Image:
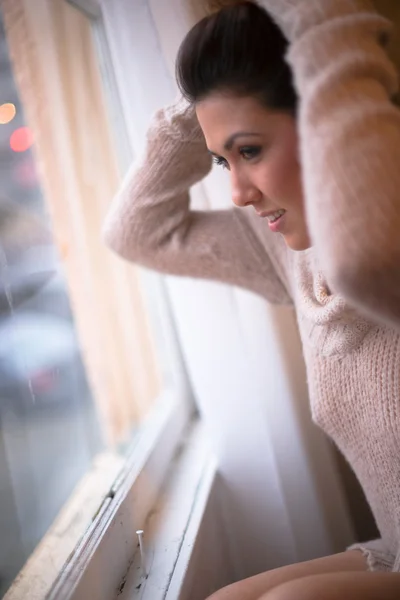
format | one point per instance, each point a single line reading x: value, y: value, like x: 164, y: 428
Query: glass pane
x: 87, y: 351
x: 49, y: 431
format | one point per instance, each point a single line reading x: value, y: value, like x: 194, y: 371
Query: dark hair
x: 239, y: 49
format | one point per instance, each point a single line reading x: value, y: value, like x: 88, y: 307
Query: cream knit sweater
x: 346, y: 288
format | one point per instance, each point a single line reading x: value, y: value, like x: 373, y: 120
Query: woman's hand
x: 212, y: 6
x: 295, y: 17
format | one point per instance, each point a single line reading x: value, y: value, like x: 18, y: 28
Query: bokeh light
x: 21, y: 139
x: 24, y: 172
x: 7, y: 112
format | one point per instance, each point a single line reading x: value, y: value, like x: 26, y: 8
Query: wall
x: 210, y: 567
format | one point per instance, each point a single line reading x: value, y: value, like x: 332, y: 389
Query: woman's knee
x: 230, y: 592
x: 255, y: 587
x: 336, y: 586
x: 305, y: 588
x: 234, y: 591
x: 260, y: 586
x: 297, y: 589
x: 263, y: 584
x: 247, y: 589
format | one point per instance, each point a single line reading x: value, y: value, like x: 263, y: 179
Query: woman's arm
x: 150, y: 221
x: 350, y: 145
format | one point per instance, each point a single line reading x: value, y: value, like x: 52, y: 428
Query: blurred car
x: 27, y: 255
x: 40, y: 365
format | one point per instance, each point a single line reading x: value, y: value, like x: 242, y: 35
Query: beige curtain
x: 56, y: 69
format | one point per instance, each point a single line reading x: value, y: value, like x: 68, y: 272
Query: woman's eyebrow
x: 232, y: 138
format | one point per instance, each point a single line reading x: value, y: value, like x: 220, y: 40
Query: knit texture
x: 346, y: 288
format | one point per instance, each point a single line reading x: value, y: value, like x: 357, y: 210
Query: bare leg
x: 339, y: 586
x: 254, y: 587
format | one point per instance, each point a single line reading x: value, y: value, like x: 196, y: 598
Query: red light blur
x: 21, y: 139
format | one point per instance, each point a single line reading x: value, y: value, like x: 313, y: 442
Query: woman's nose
x: 244, y: 193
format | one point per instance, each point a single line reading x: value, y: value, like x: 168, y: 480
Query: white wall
x: 210, y: 566
x: 243, y: 357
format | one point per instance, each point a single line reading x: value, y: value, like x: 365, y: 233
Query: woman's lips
x: 275, y: 219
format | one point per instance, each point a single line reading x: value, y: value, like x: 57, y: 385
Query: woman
x: 311, y: 146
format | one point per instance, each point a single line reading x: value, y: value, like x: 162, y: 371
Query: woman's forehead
x: 221, y: 117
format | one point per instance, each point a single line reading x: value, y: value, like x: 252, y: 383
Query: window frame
x: 175, y: 408
x: 129, y: 133
x: 110, y: 544
x: 137, y: 486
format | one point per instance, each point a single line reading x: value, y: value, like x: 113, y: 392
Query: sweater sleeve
x: 150, y: 221
x: 350, y: 146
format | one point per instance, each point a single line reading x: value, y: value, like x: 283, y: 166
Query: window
x: 90, y: 373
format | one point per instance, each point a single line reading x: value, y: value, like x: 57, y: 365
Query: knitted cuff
x: 181, y: 120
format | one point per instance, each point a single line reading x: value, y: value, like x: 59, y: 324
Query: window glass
x: 78, y: 365
x: 49, y: 430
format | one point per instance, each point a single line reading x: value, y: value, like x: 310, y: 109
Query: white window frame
x: 176, y: 401
x: 137, y: 487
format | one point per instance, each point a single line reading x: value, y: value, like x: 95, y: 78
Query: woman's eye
x: 249, y: 152
x: 222, y: 162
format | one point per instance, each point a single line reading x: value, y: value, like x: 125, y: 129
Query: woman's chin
x: 297, y: 241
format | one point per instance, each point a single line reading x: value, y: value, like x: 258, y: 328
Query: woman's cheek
x: 286, y: 176
x: 276, y: 178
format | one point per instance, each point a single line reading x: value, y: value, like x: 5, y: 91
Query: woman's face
x: 259, y: 148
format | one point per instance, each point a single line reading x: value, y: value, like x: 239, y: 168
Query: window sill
x: 173, y: 526
x: 105, y: 554
x: 126, y: 488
